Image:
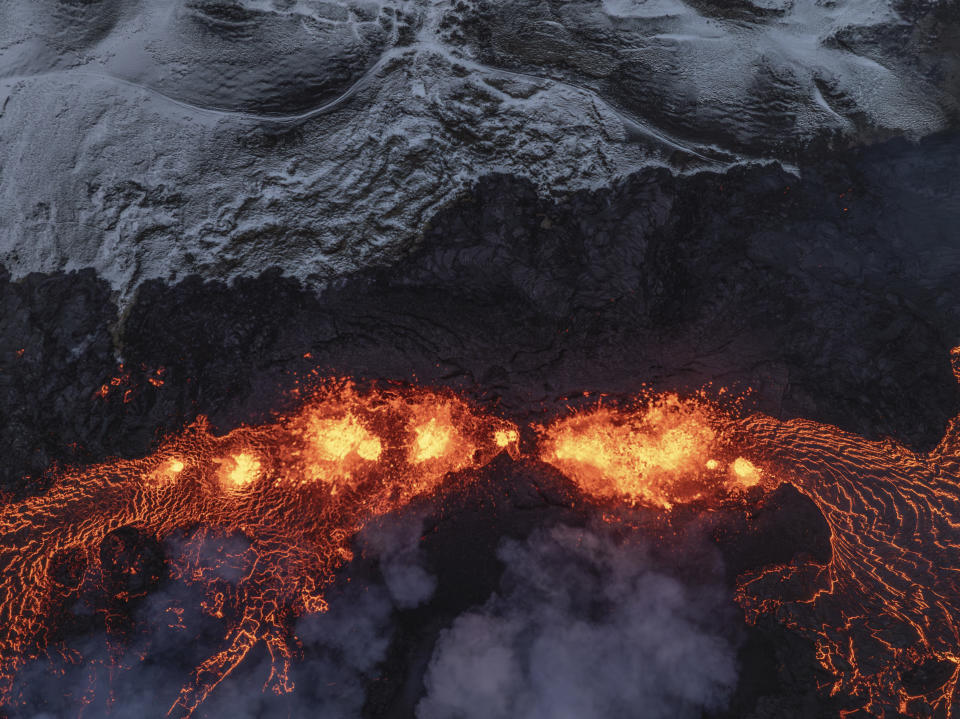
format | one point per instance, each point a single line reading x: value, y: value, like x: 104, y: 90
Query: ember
x: 298, y: 490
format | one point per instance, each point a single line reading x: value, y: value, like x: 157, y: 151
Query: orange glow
x: 505, y: 437
x: 432, y: 441
x: 744, y: 474
x: 167, y: 473
x: 337, y: 448
x: 893, y: 581
x: 239, y: 471
x: 332, y: 440
x: 373, y: 452
x: 300, y: 488
x: 654, y: 454
x: 892, y: 585
x: 437, y: 442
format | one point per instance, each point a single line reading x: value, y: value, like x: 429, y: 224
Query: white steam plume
x: 584, y: 628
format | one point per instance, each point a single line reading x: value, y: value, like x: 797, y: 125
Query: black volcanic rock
x: 831, y: 297
x: 784, y: 526
x: 55, y: 351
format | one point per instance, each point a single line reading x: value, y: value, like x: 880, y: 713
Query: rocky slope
x: 152, y: 140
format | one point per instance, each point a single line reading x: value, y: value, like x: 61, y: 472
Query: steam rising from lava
x: 586, y: 628
x: 297, y: 489
x: 884, y: 612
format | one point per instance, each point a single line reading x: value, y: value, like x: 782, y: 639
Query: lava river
x: 297, y: 489
x: 885, y: 610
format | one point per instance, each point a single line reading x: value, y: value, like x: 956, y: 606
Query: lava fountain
x: 298, y: 489
x: 658, y: 453
x: 884, y: 612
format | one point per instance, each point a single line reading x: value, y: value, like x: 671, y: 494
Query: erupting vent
x: 300, y: 488
x: 659, y: 454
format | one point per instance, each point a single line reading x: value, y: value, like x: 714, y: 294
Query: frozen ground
x: 159, y: 138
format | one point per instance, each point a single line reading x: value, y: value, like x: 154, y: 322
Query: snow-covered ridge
x: 156, y: 138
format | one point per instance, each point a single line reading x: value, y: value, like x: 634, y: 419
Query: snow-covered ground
x: 158, y: 138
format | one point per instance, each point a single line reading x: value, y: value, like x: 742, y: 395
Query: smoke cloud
x: 341, y: 648
x: 395, y: 541
x: 584, y: 627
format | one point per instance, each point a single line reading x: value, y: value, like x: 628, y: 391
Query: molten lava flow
x: 506, y: 437
x: 660, y: 454
x: 238, y: 471
x: 744, y: 473
x: 885, y: 612
x: 297, y: 489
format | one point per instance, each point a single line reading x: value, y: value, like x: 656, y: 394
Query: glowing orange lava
x: 167, y: 472
x: 744, y: 473
x: 298, y: 489
x: 506, y: 437
x: 885, y: 608
x: 894, y: 578
x: 660, y: 453
x: 239, y: 471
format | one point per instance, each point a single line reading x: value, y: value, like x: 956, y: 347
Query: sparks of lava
x: 660, y: 453
x: 298, y: 489
x: 884, y: 612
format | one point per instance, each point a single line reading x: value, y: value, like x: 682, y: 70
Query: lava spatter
x: 884, y: 612
x: 297, y: 489
x: 658, y: 453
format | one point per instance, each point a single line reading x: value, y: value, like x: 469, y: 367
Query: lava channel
x: 884, y: 612
x: 298, y: 489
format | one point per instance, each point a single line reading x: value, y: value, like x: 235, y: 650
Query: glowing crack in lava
x: 297, y: 489
x: 884, y: 612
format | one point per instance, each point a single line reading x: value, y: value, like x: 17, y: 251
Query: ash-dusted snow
x: 159, y: 139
